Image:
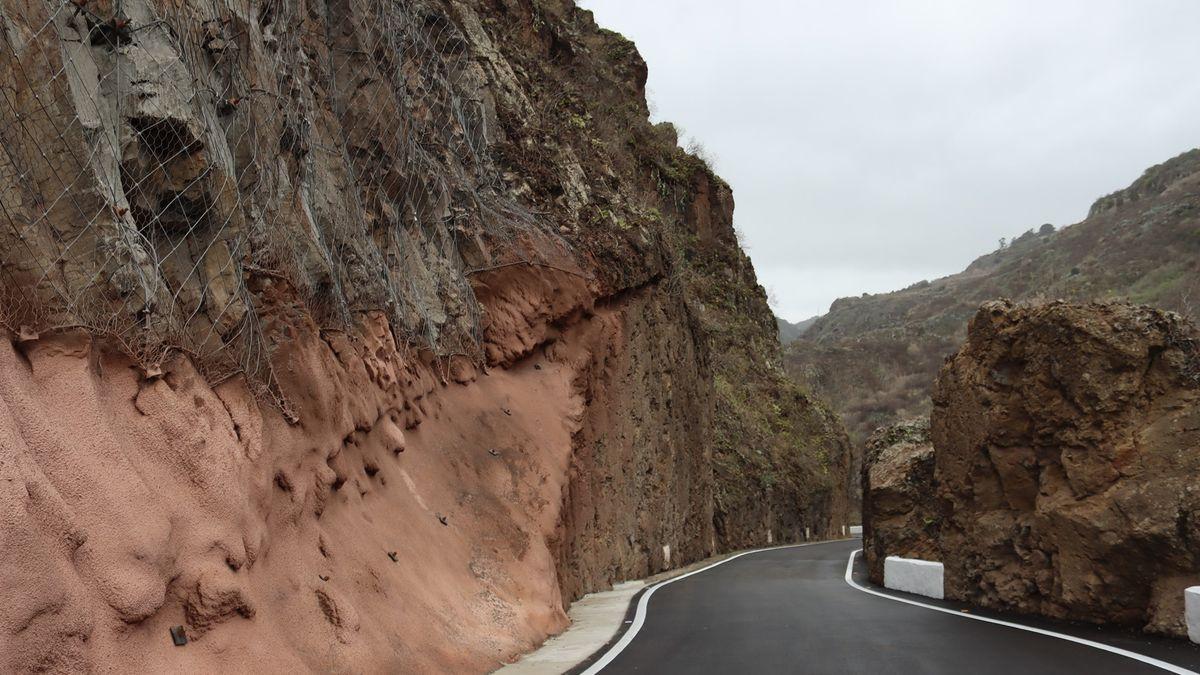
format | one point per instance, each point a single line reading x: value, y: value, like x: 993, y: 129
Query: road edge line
x: 1148, y: 660
x: 639, y: 617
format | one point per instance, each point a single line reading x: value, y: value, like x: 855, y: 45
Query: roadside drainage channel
x: 596, y: 622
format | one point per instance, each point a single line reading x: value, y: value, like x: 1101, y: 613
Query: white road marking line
x: 639, y: 617
x: 1169, y: 667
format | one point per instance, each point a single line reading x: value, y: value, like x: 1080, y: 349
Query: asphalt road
x: 790, y: 610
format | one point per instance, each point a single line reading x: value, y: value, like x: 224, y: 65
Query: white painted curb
x: 923, y: 577
x: 1162, y: 665
x: 1191, y: 608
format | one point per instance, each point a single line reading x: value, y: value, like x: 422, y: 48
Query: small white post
x: 806, y: 534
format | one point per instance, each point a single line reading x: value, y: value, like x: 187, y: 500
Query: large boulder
x: 1068, y: 459
x: 899, y: 508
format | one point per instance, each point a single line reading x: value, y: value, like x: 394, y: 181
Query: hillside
x: 789, y: 332
x: 365, y: 337
x: 874, y: 358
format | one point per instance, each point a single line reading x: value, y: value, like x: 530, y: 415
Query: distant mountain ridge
x: 789, y: 332
x: 874, y: 357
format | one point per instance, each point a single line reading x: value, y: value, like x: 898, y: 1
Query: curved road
x: 791, y: 610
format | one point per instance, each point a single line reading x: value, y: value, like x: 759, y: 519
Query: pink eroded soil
x: 133, y: 505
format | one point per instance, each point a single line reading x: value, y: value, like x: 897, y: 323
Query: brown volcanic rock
x: 1068, y: 454
x: 900, y: 511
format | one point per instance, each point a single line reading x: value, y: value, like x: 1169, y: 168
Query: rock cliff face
x: 1066, y: 446
x: 364, y: 336
x: 900, y: 509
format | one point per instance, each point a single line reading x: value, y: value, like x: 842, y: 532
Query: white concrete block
x: 1191, y: 605
x: 856, y: 530
x: 910, y: 575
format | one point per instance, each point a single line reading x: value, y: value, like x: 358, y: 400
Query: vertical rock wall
x: 1068, y: 449
x: 363, y: 335
x: 1066, y: 445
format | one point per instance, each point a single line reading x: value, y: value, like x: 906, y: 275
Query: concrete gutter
x: 595, y: 620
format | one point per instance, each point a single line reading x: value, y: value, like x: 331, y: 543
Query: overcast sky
x: 871, y: 144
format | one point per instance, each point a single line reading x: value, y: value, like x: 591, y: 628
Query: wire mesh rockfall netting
x: 163, y: 163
